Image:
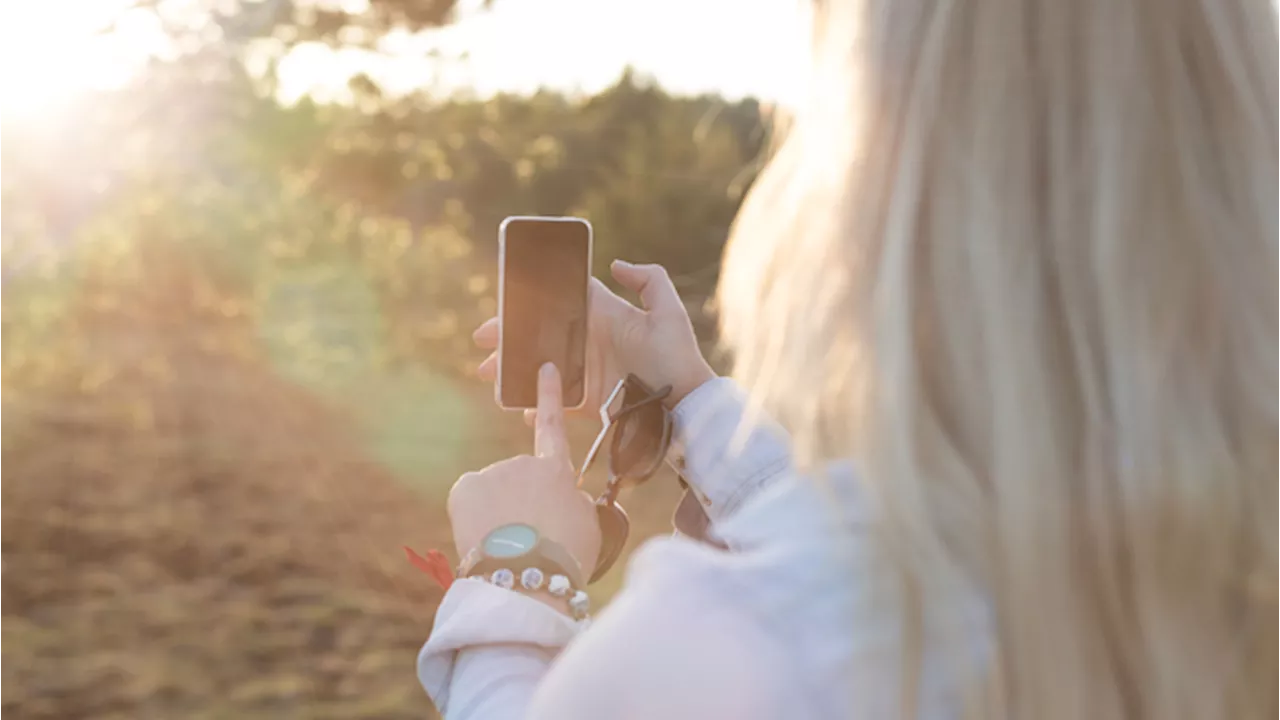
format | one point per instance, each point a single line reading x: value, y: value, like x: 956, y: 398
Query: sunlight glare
x: 51, y: 51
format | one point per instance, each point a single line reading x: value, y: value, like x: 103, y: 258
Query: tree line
x: 405, y: 194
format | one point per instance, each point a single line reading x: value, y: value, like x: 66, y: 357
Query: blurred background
x: 245, y: 243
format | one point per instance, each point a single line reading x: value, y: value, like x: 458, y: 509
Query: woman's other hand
x: 656, y: 343
x: 539, y: 490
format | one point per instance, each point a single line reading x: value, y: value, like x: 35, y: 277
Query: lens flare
x: 53, y: 51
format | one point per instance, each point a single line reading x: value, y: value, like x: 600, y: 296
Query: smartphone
x: 544, y: 265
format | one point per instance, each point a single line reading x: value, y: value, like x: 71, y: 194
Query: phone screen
x: 544, y: 307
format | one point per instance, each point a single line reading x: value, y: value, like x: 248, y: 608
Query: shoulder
x: 672, y: 644
x: 801, y: 618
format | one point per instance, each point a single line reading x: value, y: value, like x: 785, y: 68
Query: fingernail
x: 622, y: 264
x: 547, y: 370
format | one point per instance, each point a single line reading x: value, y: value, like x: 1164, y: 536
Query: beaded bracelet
x: 533, y: 579
x: 559, y: 585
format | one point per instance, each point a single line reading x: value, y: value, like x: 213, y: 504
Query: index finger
x: 486, y: 336
x: 651, y: 282
x: 548, y: 429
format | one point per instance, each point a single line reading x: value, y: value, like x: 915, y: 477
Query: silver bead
x: 504, y: 578
x: 531, y: 578
x: 559, y: 585
x: 579, y: 604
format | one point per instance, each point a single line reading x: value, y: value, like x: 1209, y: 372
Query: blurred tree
x: 410, y: 194
x: 338, y: 23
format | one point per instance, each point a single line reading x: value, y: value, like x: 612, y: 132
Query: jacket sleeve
x: 723, y: 456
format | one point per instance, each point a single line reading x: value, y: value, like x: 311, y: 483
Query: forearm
x: 489, y: 649
x: 495, y: 682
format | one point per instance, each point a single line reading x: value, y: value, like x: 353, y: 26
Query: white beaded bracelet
x: 533, y: 579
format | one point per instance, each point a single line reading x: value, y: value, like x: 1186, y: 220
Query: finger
x: 488, y: 370
x: 486, y: 336
x: 548, y: 430
x: 651, y: 283
x: 530, y: 417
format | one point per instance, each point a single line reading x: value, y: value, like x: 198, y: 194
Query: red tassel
x: 434, y: 564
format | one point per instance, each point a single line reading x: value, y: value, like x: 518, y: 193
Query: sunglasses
x: 638, y: 428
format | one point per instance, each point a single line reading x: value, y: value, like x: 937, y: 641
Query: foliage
x: 409, y: 196
x: 234, y: 23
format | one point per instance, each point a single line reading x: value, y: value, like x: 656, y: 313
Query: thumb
x: 605, y: 303
x: 651, y: 283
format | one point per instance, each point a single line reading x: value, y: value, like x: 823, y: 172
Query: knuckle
x: 461, y: 489
x: 657, y: 270
x: 524, y: 462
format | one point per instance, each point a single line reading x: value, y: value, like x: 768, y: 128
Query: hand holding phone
x: 656, y: 342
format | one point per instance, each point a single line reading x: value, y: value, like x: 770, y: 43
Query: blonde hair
x: 1019, y: 260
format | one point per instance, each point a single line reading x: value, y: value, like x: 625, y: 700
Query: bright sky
x: 49, y: 51
x: 737, y: 47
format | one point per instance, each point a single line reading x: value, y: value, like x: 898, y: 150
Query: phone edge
x: 502, y: 271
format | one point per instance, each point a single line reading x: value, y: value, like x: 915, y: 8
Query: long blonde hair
x: 1018, y: 258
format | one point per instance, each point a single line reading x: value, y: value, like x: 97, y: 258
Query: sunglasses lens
x: 614, y: 528
x: 638, y: 441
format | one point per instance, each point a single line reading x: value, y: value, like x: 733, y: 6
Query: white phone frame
x: 502, y: 284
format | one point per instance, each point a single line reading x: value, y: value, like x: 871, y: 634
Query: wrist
x: 565, y: 599
x: 517, y: 547
x: 688, y: 383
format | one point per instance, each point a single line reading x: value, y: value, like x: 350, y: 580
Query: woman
x: 1018, y: 260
